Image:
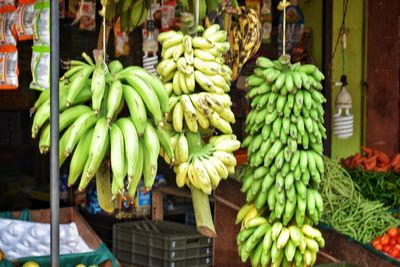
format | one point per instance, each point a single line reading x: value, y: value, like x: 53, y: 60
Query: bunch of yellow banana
x: 132, y: 13
x: 98, y: 140
x: 197, y: 82
x: 201, y: 111
x: 244, y: 35
x: 201, y: 165
x: 192, y: 64
x: 284, y: 143
x: 268, y: 243
x: 189, y: 66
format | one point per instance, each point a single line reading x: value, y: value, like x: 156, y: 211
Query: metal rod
x: 54, y: 104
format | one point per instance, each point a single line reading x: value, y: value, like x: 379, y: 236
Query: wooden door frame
x: 327, y: 15
x: 382, y: 90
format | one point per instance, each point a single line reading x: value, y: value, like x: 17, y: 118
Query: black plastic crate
x: 140, y: 261
x: 160, y: 243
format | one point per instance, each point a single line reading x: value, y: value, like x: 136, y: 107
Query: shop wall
x: 354, y: 67
x: 312, y: 10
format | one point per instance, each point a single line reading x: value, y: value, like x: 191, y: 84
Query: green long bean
x: 347, y: 210
x: 378, y: 186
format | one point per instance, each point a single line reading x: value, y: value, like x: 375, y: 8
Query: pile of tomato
x: 389, y: 243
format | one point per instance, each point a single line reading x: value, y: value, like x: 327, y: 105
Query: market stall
x: 197, y: 133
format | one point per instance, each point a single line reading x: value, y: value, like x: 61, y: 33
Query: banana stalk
x: 202, y: 213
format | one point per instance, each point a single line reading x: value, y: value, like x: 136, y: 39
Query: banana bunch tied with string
x: 197, y: 82
x: 244, y: 34
x: 116, y: 150
x: 268, y: 243
x: 132, y: 13
x: 285, y: 129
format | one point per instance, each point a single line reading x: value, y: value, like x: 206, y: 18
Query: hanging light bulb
x: 343, y: 120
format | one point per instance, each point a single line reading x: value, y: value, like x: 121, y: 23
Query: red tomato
x: 394, y: 253
x: 397, y: 246
x: 378, y: 239
x: 385, y: 239
x: 393, y: 241
x: 392, y: 232
x: 376, y: 242
x: 379, y: 247
x: 386, y: 248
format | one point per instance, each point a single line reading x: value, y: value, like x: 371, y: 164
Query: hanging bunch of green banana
x: 197, y: 80
x: 284, y: 142
x: 132, y: 13
x: 94, y: 134
x: 205, y: 7
x: 244, y: 34
x: 268, y: 243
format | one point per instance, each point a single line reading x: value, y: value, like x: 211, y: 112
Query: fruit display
x: 284, y: 130
x: 132, y: 13
x: 99, y: 141
x: 244, y: 34
x: 197, y: 82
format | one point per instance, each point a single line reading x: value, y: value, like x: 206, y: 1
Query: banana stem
x: 194, y: 141
x: 202, y: 213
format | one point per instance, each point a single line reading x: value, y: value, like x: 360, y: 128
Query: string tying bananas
x: 284, y: 142
x: 100, y: 142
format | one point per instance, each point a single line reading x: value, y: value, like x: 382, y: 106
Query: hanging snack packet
x: 40, y: 68
x: 24, y: 19
x: 8, y: 68
x: 7, y: 6
x: 121, y: 40
x: 87, y: 21
x: 7, y: 29
x: 41, y: 24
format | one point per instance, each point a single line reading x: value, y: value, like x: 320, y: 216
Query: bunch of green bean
x: 347, y: 211
x: 383, y: 186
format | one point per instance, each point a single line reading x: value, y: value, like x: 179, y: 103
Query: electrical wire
x: 344, y: 42
x: 342, y: 28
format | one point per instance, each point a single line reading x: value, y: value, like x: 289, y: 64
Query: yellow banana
x: 177, y: 117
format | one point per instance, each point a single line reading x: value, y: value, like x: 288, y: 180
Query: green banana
x: 151, y: 150
x: 79, y: 157
x: 136, y: 108
x: 117, y: 156
x: 131, y: 141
